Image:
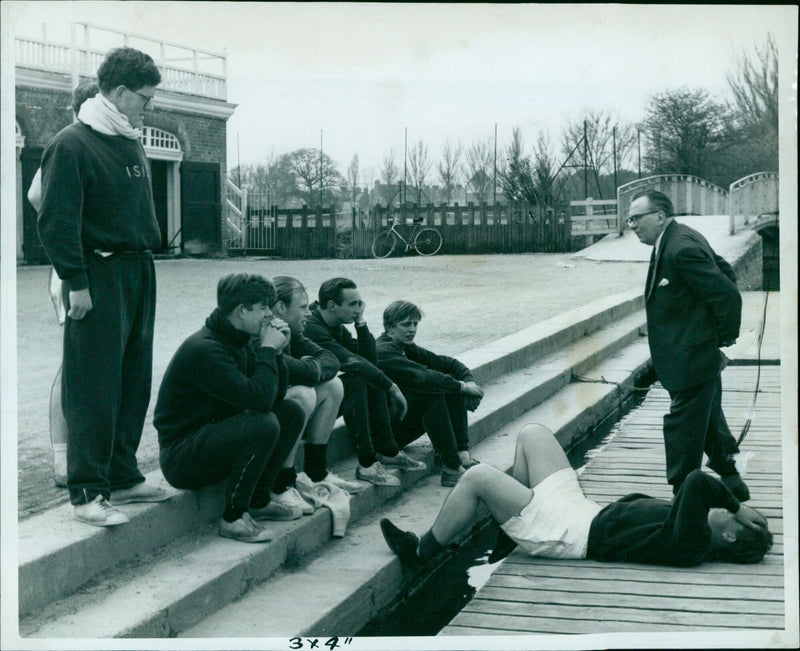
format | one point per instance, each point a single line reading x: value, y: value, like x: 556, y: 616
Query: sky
x: 356, y: 76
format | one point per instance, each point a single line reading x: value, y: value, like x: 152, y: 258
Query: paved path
x: 467, y: 302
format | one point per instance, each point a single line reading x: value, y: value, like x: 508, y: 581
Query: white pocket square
x: 663, y: 283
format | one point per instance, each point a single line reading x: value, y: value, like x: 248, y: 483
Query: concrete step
x: 54, y: 566
x: 180, y: 586
x: 338, y: 592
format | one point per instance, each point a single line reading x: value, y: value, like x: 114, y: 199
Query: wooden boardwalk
x: 527, y: 595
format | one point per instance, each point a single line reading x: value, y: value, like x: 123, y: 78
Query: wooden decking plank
x: 536, y: 595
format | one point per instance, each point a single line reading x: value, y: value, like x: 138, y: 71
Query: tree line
x: 683, y: 131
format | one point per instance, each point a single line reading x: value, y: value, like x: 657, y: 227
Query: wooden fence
x: 305, y: 233
x: 751, y: 198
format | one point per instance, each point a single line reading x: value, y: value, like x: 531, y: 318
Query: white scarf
x: 102, y: 116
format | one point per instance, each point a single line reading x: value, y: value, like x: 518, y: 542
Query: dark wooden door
x: 201, y: 210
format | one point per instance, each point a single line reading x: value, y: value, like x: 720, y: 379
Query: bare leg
x: 503, y: 495
x: 328, y: 399
x: 58, y: 432
x: 306, y: 398
x: 538, y: 455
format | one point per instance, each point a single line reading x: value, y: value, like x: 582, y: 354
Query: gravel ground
x: 467, y: 301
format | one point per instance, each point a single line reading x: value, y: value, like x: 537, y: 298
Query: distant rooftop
x: 78, y: 49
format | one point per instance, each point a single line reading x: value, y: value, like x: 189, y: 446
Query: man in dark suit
x: 693, y: 308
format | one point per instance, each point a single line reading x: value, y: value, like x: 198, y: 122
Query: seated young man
x: 439, y: 390
x: 366, y: 388
x: 221, y: 413
x: 313, y: 383
x: 542, y: 509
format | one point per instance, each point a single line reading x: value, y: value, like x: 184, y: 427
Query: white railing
x: 752, y: 197
x: 79, y: 59
x: 592, y: 222
x: 689, y: 194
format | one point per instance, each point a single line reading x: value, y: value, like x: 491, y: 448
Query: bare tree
x: 478, y: 169
x: 316, y: 176
x: 420, y: 164
x: 448, y: 168
x: 547, y: 188
x: 390, y: 172
x: 352, y: 179
x: 598, y: 153
x: 754, y: 84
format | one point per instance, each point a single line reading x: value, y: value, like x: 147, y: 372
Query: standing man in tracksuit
x: 98, y: 226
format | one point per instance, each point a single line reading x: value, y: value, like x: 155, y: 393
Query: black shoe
x: 503, y: 546
x: 736, y: 485
x: 403, y: 543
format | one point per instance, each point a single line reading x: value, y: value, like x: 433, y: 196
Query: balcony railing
x: 79, y: 59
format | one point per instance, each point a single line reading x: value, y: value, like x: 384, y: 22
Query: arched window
x: 160, y: 144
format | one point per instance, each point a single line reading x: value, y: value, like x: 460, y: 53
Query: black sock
x: 315, y: 464
x: 429, y: 547
x: 231, y: 515
x: 286, y: 479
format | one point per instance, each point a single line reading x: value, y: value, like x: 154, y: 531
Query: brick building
x: 184, y: 134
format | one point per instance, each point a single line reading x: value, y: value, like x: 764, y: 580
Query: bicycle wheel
x: 383, y: 244
x: 428, y: 241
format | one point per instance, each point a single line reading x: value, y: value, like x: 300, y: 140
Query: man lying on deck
x: 703, y: 522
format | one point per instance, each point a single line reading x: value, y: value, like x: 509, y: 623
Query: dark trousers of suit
x: 443, y: 417
x: 366, y: 413
x: 695, y: 424
x: 106, y: 375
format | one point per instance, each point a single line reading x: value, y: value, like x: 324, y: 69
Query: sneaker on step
x: 450, y: 477
x: 245, y: 529
x: 736, y: 485
x: 141, y: 492
x: 100, y: 513
x: 277, y: 510
x: 352, y: 487
x: 401, y: 461
x: 292, y: 496
x: 377, y: 475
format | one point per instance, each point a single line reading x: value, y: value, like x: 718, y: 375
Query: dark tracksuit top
x: 96, y: 194
x: 643, y: 529
x: 217, y: 373
x: 356, y: 356
x: 308, y: 363
x: 419, y: 370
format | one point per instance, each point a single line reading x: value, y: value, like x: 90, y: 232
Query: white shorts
x: 555, y: 523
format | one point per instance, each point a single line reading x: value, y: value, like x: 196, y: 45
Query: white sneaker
x: 291, y: 496
x: 245, y: 529
x: 352, y: 487
x: 376, y: 474
x: 277, y: 509
x: 100, y: 513
x: 401, y: 461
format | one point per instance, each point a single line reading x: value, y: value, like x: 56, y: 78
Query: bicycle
x: 425, y: 241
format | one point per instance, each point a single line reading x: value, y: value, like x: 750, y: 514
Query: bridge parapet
x: 753, y: 198
x: 689, y: 194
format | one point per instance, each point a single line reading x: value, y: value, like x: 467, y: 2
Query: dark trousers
x: 366, y: 413
x: 443, y: 417
x: 107, y: 369
x: 246, y: 451
x: 695, y: 424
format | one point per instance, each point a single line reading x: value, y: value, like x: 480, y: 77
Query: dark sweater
x: 642, y: 529
x: 215, y: 374
x: 419, y: 370
x: 96, y: 194
x: 308, y: 363
x: 356, y: 356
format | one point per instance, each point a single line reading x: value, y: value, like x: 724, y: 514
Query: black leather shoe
x: 736, y: 485
x: 403, y: 543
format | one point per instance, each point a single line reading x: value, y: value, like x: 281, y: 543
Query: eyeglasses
x: 633, y: 220
x: 148, y: 99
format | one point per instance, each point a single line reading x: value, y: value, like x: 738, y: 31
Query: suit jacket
x: 692, y: 305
